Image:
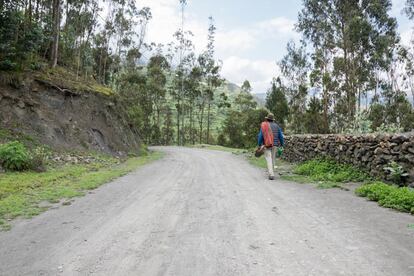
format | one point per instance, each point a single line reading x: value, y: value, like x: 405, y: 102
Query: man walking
x: 270, y: 137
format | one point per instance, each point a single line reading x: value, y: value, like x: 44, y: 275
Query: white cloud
x: 238, y: 41
x: 259, y: 72
x: 278, y: 25
x: 397, y: 6
x: 231, y: 44
x: 234, y: 41
x: 166, y: 20
x: 407, y: 37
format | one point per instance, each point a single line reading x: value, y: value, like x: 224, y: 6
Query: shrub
x: 14, y: 156
x: 401, y: 199
x: 329, y: 170
x: 397, y: 173
x: 374, y: 191
x: 389, y: 196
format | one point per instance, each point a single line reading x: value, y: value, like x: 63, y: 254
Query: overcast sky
x: 251, y: 35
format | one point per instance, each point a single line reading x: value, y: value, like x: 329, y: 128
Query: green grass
x: 329, y: 170
x: 389, y: 196
x: 410, y: 226
x: 325, y: 174
x: 7, y: 135
x: 297, y: 178
x: 22, y: 193
x: 65, y: 78
x: 258, y: 162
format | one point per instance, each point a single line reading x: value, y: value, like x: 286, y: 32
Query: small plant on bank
x: 38, y: 159
x: 397, y: 173
x: 14, y: 156
x: 390, y: 196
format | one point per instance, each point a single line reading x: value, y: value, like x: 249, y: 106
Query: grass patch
x: 22, y: 193
x: 329, y: 170
x: 258, y: 162
x: 325, y: 174
x: 4, y: 226
x: 221, y: 148
x: 389, y: 196
x: 296, y: 178
x: 8, y: 135
x: 66, y: 79
x: 410, y: 226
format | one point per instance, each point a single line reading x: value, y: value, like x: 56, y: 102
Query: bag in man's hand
x: 259, y: 151
x: 279, y: 152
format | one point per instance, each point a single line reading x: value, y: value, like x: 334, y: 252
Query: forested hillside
x: 349, y: 72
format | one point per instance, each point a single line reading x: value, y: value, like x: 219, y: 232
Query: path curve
x: 200, y: 212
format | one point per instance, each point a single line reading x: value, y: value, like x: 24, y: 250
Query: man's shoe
x: 271, y: 178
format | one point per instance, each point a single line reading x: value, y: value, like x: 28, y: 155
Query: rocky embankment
x: 370, y: 152
x: 66, y: 119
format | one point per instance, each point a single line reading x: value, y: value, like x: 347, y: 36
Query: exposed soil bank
x: 66, y: 119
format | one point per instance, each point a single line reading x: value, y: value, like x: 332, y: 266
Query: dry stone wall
x: 369, y: 152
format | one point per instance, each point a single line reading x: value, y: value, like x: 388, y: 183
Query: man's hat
x: 270, y: 117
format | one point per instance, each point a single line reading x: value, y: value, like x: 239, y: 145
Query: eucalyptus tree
x: 212, y: 73
x: 409, y: 9
x: 156, y: 84
x: 295, y: 66
x: 276, y: 102
x: 357, y: 39
x: 314, y: 23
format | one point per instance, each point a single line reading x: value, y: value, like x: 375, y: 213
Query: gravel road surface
x: 201, y: 212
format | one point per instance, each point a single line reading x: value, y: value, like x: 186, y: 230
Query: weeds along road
x: 200, y: 212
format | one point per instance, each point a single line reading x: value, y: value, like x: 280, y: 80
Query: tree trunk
x: 178, y: 123
x: 208, y: 122
x: 56, y: 28
x: 201, y: 125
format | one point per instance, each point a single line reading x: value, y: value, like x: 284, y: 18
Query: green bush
x: 389, y: 196
x: 329, y: 170
x: 401, y: 199
x: 14, y: 156
x: 375, y: 191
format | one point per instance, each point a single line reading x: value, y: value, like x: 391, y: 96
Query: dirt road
x: 199, y: 212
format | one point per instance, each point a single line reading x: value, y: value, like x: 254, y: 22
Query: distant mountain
x: 232, y: 88
x: 260, y: 98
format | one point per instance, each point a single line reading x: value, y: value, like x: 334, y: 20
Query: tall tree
x: 409, y: 9
x: 295, y: 67
x: 356, y: 38
x: 54, y: 52
x: 276, y: 102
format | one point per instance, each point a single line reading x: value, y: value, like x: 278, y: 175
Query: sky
x: 251, y: 35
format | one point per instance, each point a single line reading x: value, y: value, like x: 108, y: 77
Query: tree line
x: 168, y: 91
x: 350, y: 72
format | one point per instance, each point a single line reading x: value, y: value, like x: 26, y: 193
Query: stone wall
x: 369, y: 152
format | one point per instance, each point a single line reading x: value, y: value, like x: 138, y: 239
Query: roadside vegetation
x: 389, y: 196
x: 34, y: 178
x: 326, y: 173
